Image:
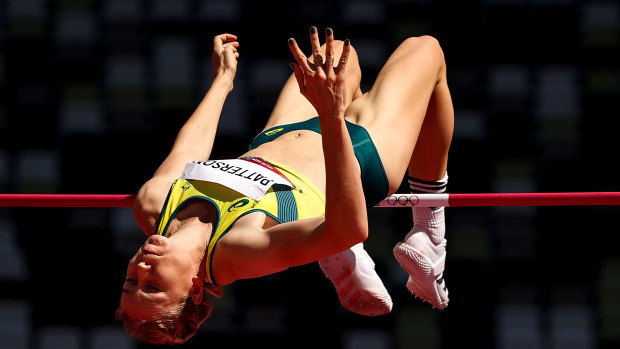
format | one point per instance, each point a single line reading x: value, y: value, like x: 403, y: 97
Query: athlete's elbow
x: 361, y: 235
x: 351, y: 232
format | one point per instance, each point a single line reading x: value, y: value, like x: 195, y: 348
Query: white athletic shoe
x: 359, y: 288
x: 424, y: 262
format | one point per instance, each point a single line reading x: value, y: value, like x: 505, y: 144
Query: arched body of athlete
x: 408, y: 116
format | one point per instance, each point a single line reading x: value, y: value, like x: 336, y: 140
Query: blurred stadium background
x: 101, y: 87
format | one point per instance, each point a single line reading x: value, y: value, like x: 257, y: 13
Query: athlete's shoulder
x: 149, y: 202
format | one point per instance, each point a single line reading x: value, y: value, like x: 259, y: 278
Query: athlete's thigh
x: 292, y: 106
x: 394, y: 109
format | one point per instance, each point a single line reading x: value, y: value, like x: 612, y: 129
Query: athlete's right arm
x: 194, y: 141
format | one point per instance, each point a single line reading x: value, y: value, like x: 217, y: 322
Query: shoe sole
x: 362, y: 294
x: 423, y: 279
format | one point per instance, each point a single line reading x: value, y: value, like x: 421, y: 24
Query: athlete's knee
x: 353, y: 71
x: 426, y: 42
x: 338, y: 47
x: 428, y: 46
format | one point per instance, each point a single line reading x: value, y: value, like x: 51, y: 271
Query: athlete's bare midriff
x: 302, y: 150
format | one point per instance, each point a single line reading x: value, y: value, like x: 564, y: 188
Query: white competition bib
x: 251, y: 177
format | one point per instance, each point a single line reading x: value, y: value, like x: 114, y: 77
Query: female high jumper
x: 301, y: 193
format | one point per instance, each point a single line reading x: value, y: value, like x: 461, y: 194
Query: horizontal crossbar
x: 396, y: 200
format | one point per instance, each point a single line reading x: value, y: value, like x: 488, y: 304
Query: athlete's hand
x: 321, y: 82
x: 225, y: 55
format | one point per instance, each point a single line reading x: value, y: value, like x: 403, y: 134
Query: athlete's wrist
x: 333, y: 120
x: 224, y: 80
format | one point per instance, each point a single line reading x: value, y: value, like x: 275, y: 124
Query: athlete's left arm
x: 324, y: 86
x: 248, y: 251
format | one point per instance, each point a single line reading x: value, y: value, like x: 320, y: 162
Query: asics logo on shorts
x: 273, y: 132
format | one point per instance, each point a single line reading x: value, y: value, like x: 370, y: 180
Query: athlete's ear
x: 196, y: 290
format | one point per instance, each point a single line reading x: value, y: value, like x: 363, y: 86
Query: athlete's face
x: 159, y: 276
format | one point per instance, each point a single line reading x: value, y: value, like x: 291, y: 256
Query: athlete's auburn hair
x: 174, y: 326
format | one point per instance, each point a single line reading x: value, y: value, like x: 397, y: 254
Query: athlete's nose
x: 143, y: 267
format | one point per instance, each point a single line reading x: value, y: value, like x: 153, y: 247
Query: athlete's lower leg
x: 423, y: 251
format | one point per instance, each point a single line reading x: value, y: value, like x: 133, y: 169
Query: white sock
x: 431, y: 220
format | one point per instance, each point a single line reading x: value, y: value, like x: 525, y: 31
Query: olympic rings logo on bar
x: 403, y: 200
